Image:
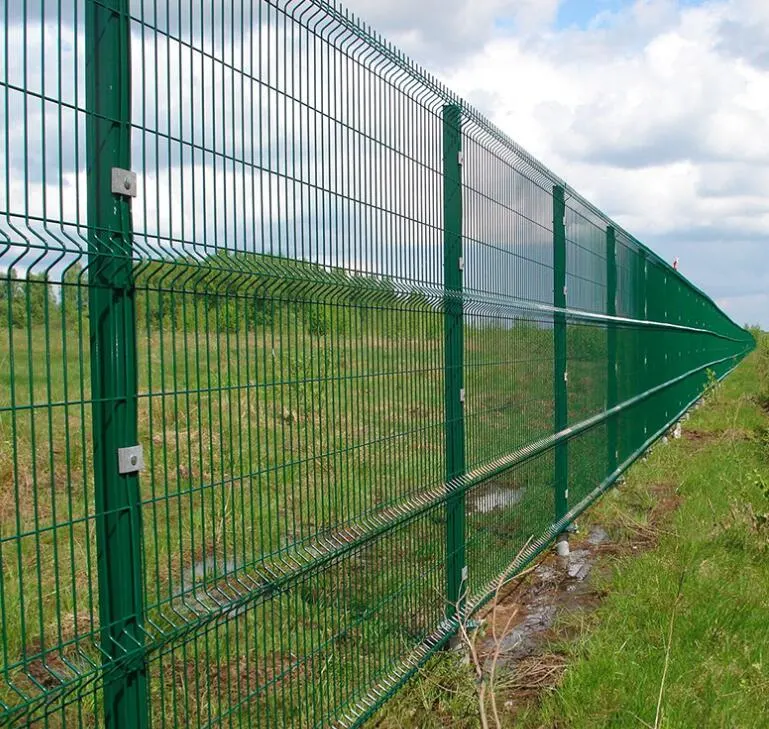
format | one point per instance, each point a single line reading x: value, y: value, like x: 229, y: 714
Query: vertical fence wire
x: 368, y: 346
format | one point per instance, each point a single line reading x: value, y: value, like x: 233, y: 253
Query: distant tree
x: 230, y: 290
x: 25, y: 301
x: 39, y: 294
x: 74, y: 294
x: 8, y: 298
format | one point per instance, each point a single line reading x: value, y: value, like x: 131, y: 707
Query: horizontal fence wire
x: 373, y: 354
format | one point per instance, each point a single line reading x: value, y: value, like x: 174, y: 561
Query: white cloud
x: 659, y: 116
x: 444, y: 32
x: 657, y: 113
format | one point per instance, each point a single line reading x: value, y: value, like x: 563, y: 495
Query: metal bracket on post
x: 130, y: 459
x: 123, y: 182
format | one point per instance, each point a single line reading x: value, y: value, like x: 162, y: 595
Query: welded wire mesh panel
x: 288, y: 328
x: 586, y: 290
x: 507, y: 251
x: 586, y: 258
x: 300, y: 354
x: 49, y: 597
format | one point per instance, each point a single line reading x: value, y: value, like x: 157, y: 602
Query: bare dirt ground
x: 537, y: 610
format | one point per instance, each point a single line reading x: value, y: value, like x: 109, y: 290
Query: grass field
x: 275, y: 452
x: 262, y: 444
x: 680, y: 639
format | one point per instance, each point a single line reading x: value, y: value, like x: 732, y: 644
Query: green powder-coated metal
x: 366, y: 343
x: 454, y: 354
x: 644, y: 363
x: 112, y: 319
x: 560, y: 369
x: 611, y: 344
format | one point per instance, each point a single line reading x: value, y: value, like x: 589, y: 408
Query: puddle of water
x: 205, y: 568
x: 524, y: 638
x: 546, y: 573
x: 208, y: 597
x: 557, y: 586
x: 578, y: 565
x: 598, y: 535
x: 498, y: 497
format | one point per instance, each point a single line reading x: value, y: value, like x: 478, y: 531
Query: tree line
x: 225, y: 291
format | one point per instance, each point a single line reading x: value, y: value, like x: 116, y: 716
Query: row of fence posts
x: 456, y: 569
x: 114, y: 359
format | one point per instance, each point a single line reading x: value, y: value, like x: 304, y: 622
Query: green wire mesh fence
x: 298, y: 352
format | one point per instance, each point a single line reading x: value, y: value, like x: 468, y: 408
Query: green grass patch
x: 680, y: 639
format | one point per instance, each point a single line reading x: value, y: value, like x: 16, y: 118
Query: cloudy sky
x: 656, y: 110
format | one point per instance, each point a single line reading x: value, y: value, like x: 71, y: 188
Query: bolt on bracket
x: 123, y: 182
x: 130, y: 459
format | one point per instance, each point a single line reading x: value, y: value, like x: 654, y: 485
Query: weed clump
x: 762, y: 368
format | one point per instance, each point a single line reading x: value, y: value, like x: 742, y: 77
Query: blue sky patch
x: 580, y: 13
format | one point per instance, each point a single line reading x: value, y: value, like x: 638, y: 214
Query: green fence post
x: 643, y: 334
x: 611, y: 345
x: 454, y: 353
x: 560, y: 375
x: 665, y: 354
x: 116, y: 458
